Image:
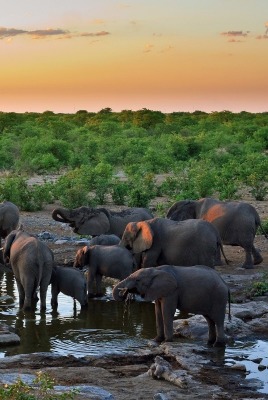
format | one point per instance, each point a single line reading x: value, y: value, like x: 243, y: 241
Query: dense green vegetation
x: 202, y: 154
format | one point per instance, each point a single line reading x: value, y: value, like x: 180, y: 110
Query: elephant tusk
x: 2, y: 248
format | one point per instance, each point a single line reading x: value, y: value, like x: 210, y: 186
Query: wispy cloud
x: 234, y: 36
x: 45, y: 33
x: 240, y: 36
x: 90, y: 34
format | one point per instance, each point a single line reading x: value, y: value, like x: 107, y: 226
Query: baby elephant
x: 113, y: 261
x: 197, y: 289
x: 70, y: 282
x: 106, y: 240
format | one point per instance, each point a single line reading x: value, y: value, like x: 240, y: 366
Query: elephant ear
x: 9, y: 240
x: 81, y: 258
x: 162, y: 285
x: 144, y: 237
x: 95, y: 224
x: 182, y: 210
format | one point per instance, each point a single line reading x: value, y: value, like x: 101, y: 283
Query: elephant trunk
x: 121, y: 290
x: 58, y: 215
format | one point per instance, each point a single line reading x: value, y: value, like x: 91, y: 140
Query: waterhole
x: 104, y: 327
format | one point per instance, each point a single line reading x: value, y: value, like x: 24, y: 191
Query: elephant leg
x: 28, y: 298
x: 54, y: 296
x: 256, y: 256
x: 220, y: 336
x: 90, y: 283
x: 168, y: 308
x: 248, y: 264
x: 211, y: 331
x: 21, y: 293
x: 99, y: 292
x: 43, y: 295
x: 159, y: 322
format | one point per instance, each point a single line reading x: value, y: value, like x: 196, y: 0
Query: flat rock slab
x: 7, y: 337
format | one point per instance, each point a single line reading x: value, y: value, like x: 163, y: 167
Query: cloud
x: 88, y: 34
x: 43, y: 33
x: 10, y: 32
x: 6, y: 33
x: 234, y: 34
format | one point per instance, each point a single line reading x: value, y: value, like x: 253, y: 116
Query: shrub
x: 41, y: 389
x: 259, y: 288
x: 25, y: 197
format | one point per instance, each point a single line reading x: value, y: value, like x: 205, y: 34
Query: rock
x: 7, y: 337
x: 246, y: 319
x: 91, y: 392
x: 239, y: 367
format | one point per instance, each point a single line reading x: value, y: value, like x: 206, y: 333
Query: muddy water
x: 105, y: 327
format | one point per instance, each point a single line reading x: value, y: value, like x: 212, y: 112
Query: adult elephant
x: 162, y: 241
x: 97, y: 221
x: 31, y: 261
x: 197, y: 290
x: 9, y: 218
x: 113, y: 261
x: 237, y: 222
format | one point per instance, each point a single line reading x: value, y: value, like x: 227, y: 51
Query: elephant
x: 9, y: 218
x: 106, y: 240
x: 31, y: 262
x: 97, y: 221
x: 237, y: 222
x: 113, y: 261
x: 162, y: 241
x: 198, y: 290
x: 70, y: 282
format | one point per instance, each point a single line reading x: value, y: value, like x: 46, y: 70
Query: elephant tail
x: 224, y: 256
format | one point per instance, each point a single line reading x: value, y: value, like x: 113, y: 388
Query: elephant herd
x: 150, y: 256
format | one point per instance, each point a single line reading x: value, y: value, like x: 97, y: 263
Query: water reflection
x: 104, y: 327
x: 254, y: 355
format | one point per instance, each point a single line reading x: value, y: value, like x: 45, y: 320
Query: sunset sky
x: 166, y: 55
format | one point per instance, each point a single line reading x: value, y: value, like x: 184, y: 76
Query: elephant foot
x: 219, y: 344
x: 258, y: 260
x: 210, y: 342
x: 159, y: 339
x: 247, y: 266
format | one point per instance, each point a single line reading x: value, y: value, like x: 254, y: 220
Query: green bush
x: 25, y: 197
x: 259, y: 288
x: 42, y: 389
